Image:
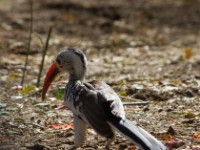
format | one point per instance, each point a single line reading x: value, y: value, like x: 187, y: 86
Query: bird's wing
x: 91, y: 109
x: 115, y: 116
x: 103, y: 110
x: 109, y: 97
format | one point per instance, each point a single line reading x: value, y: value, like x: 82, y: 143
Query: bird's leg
x: 73, y: 147
x: 109, y: 141
x: 80, y: 131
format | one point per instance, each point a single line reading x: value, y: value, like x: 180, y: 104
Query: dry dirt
x: 146, y: 50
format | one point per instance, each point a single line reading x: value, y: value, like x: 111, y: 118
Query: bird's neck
x: 77, y: 75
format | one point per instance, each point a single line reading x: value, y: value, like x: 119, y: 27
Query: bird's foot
x: 108, y: 143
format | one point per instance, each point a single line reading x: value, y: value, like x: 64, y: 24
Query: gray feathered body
x: 96, y: 104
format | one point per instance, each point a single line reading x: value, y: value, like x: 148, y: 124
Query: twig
x: 36, y: 125
x: 135, y: 103
x: 113, y: 83
x: 40, y: 39
x: 43, y: 56
x: 29, y: 40
x: 131, y: 99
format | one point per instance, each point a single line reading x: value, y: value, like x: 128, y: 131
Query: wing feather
x: 92, y: 111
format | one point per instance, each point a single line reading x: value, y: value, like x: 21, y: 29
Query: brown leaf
x: 188, y: 53
x: 55, y: 126
x: 67, y: 126
x: 196, y: 135
x: 173, y: 144
x: 62, y: 126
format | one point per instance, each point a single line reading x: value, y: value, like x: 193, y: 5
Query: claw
x: 109, y: 142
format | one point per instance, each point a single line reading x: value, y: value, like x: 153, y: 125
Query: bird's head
x: 69, y: 60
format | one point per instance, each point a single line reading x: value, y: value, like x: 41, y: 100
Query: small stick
x: 135, y: 103
x: 43, y: 55
x: 35, y: 124
x: 29, y: 41
x: 40, y: 39
x: 131, y: 99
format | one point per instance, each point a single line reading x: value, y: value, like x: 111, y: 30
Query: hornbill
x: 95, y: 104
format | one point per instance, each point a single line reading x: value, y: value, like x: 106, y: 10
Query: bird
x: 95, y: 104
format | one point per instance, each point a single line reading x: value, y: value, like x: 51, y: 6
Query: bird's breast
x: 72, y: 98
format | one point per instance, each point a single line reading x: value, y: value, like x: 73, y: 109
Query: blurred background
x: 107, y: 31
x: 147, y: 50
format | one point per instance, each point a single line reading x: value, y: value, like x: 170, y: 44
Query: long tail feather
x: 136, y: 134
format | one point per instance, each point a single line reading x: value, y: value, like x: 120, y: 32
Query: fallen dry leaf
x: 173, y: 144
x: 188, y: 53
x: 62, y: 126
x: 196, y: 135
x: 67, y: 126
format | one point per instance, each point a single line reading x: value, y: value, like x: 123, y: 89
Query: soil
x: 146, y: 50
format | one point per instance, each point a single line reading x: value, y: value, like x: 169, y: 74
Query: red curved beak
x: 50, y: 76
